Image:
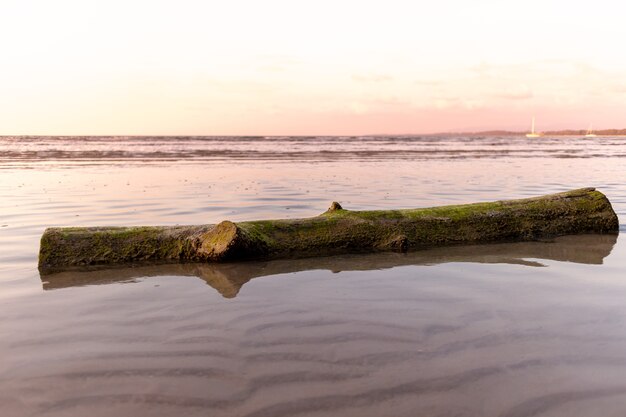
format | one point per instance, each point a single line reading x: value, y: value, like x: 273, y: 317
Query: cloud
x: 276, y: 63
x: 432, y: 83
x: 379, y: 104
x: 371, y: 78
x: 443, y: 102
x: 523, y: 93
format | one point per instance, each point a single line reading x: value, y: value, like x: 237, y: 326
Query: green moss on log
x: 335, y: 231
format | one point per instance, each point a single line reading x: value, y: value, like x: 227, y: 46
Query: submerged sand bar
x: 336, y: 231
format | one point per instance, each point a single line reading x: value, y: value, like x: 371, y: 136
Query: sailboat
x: 590, y: 133
x: 532, y: 133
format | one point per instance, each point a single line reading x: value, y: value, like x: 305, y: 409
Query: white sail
x: 532, y: 133
x: 590, y: 133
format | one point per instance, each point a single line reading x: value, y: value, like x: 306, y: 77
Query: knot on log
x: 334, y: 206
x: 398, y: 243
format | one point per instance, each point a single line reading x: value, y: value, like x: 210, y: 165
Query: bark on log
x: 335, y: 231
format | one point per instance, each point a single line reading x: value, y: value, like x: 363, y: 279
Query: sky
x: 341, y: 67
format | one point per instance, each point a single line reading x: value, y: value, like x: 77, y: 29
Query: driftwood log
x: 334, y: 232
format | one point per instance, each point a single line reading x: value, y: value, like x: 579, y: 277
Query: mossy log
x: 334, y: 232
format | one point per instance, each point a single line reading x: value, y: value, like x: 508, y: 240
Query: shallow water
x: 495, y: 330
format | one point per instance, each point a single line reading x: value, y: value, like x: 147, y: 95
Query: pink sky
x: 293, y: 68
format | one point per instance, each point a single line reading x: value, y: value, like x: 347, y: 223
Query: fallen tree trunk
x: 335, y: 231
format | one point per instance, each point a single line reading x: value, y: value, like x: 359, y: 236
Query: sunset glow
x: 293, y: 68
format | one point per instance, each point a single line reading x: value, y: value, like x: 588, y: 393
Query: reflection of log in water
x: 228, y: 278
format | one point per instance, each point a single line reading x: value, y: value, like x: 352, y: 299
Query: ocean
x: 516, y: 329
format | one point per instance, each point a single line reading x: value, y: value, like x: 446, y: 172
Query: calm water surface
x: 527, y: 329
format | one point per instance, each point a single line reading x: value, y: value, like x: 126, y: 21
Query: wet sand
x: 526, y: 329
x: 460, y: 338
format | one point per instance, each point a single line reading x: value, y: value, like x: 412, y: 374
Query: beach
x: 495, y: 330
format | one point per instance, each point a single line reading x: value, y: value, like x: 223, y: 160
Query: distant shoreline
x: 600, y: 133
x: 581, y: 132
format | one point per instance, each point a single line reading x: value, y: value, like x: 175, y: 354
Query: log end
x: 217, y: 243
x: 227, y: 242
x: 48, y: 247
